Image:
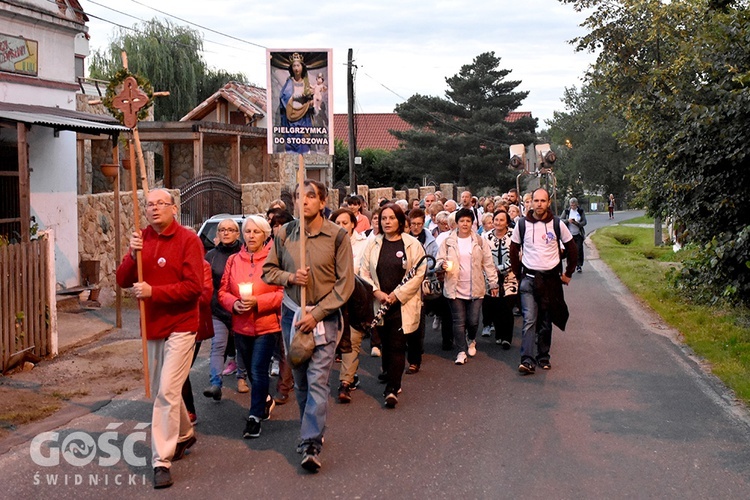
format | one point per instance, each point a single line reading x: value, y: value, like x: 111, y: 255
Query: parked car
x: 207, y: 232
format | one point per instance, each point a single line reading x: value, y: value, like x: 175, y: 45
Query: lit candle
x: 246, y: 291
x: 449, y: 265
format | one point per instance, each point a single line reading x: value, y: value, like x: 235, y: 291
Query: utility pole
x: 352, y: 138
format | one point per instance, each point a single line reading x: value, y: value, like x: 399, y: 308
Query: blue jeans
x: 256, y: 353
x: 218, y: 347
x: 537, y: 326
x: 465, y: 314
x: 311, y: 378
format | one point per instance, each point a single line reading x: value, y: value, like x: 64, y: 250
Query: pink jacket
x: 244, y: 267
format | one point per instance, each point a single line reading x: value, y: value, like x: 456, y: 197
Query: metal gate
x: 206, y: 196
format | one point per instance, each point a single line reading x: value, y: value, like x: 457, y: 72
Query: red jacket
x: 173, y: 266
x: 244, y: 267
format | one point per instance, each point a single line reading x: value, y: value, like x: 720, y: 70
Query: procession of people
x: 492, y: 258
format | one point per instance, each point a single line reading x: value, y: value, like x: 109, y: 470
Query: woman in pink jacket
x: 255, y: 308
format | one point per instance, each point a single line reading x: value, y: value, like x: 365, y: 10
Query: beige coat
x: 481, y: 265
x: 410, y: 293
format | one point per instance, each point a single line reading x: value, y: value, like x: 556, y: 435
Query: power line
x: 146, y: 22
x: 198, y: 25
x: 436, y: 118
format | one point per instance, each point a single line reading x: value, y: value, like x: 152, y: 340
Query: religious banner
x: 18, y: 55
x: 300, y: 105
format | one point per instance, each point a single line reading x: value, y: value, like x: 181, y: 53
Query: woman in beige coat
x: 467, y: 260
x: 385, y: 261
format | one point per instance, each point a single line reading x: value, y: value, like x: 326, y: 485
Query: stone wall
x: 257, y: 197
x: 378, y: 193
x: 180, y: 163
x: 96, y: 233
x: 448, y: 191
x: 425, y: 190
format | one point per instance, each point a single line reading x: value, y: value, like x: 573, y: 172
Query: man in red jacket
x: 172, y: 259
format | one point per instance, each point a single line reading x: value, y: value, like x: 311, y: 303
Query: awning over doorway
x: 60, y: 119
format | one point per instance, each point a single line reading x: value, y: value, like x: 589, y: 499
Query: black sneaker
x: 526, y: 368
x: 162, y: 478
x: 270, y: 405
x: 345, y: 395
x: 391, y: 400
x: 544, y: 364
x: 252, y: 428
x: 311, y: 459
x: 355, y: 383
x: 578, y: 269
x: 182, y: 447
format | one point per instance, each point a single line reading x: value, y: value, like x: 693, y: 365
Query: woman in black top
x: 385, y: 261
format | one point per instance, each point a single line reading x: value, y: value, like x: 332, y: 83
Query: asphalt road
x: 624, y: 413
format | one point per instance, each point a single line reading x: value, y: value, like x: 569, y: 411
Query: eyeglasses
x: 227, y: 230
x: 158, y: 204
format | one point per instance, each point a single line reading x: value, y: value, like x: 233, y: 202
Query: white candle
x: 449, y: 265
x: 246, y: 291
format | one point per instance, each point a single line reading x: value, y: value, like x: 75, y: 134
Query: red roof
x: 514, y: 116
x: 372, y: 128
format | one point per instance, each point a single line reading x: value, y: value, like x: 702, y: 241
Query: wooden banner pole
x: 302, y: 233
x: 139, y: 263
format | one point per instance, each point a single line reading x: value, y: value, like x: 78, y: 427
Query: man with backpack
x: 540, y: 234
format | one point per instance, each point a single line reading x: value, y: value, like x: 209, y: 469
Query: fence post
x: 51, y: 291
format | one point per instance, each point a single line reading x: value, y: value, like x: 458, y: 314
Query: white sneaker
x: 486, y: 331
x: 472, y: 349
x: 375, y: 353
x: 436, y: 323
x: 461, y: 358
x: 275, y: 368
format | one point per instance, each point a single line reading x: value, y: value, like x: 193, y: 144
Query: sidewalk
x: 82, y: 326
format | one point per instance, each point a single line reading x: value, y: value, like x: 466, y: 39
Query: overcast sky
x: 401, y: 47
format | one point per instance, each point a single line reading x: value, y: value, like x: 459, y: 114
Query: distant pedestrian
x: 575, y: 218
x: 173, y: 273
x: 541, y: 278
x: 611, y: 206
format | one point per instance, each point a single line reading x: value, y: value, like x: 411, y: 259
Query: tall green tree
x: 677, y: 72
x: 376, y: 170
x: 590, y: 156
x: 169, y: 56
x: 463, y: 137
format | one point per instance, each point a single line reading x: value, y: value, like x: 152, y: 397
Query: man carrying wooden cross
x: 172, y: 261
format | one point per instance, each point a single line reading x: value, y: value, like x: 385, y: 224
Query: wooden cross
x: 130, y: 101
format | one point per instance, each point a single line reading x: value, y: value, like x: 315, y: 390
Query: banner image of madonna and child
x: 300, y: 114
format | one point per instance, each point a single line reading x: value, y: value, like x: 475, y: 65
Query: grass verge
x: 720, y: 335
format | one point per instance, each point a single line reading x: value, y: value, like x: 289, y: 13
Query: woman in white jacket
x: 385, y: 261
x: 467, y: 260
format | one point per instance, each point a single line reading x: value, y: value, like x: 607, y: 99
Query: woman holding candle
x: 467, y: 261
x: 385, y: 261
x: 255, y: 308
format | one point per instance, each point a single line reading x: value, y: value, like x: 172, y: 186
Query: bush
x: 718, y: 271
